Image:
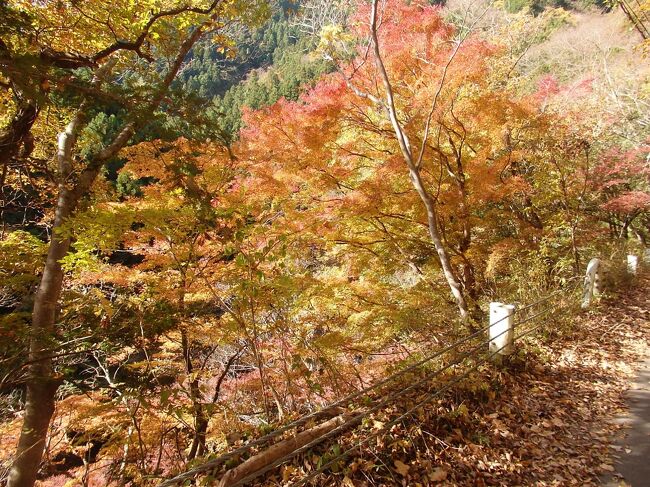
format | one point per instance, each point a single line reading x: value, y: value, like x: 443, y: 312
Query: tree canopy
x: 219, y: 214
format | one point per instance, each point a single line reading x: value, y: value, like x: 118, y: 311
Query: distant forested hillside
x: 263, y: 65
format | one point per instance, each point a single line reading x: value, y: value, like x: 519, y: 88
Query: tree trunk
x: 275, y: 452
x: 574, y: 250
x: 443, y: 256
x: 201, y: 428
x: 634, y: 19
x: 414, y: 173
x: 39, y: 408
x: 17, y: 134
x: 201, y: 420
x: 42, y: 384
x: 197, y: 447
x: 466, y: 273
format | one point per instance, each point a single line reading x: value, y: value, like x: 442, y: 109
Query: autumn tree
x: 621, y: 181
x: 185, y: 215
x: 459, y: 135
x: 94, y: 53
x: 208, y: 254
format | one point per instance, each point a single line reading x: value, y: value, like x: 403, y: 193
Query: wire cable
x: 394, y: 422
x: 212, y: 464
x: 359, y: 417
x: 348, y: 424
x: 362, y: 442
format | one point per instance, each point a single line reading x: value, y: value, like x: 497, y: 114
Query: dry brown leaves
x: 545, y: 420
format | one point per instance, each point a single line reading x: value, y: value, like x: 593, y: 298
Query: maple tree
x: 199, y: 293
x: 124, y: 37
x: 207, y: 260
x: 621, y: 180
x: 467, y: 145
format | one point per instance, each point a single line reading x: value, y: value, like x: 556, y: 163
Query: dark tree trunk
x: 197, y: 447
x: 634, y: 18
x: 42, y: 383
x: 16, y: 138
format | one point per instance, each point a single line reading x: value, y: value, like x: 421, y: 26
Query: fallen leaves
x: 347, y: 482
x: 546, y: 419
x: 438, y: 475
x: 401, y: 468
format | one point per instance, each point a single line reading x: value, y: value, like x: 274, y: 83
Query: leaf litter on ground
x: 545, y: 419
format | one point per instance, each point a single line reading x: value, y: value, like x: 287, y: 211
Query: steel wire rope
x: 356, y: 419
x: 349, y: 423
x: 305, y: 418
x: 532, y: 317
x: 529, y: 331
x: 394, y: 422
x: 212, y: 464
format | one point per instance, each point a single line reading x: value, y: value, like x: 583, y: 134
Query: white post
x: 632, y: 264
x: 592, y: 282
x: 502, y: 319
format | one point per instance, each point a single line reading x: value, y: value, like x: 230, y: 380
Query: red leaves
x: 407, y: 27
x: 629, y: 202
x: 623, y: 177
x: 547, y: 86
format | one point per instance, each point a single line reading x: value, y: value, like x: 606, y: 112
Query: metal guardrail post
x: 632, y: 264
x: 502, y: 319
x: 592, y: 282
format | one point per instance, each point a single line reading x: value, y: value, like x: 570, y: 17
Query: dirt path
x: 612, y: 348
x: 628, y: 318
x: 632, y: 449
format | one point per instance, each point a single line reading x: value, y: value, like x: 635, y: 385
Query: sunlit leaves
x: 21, y: 257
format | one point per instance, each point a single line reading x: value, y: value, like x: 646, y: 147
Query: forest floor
x: 551, y: 417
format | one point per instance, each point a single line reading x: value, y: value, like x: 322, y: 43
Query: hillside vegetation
x: 218, y: 215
